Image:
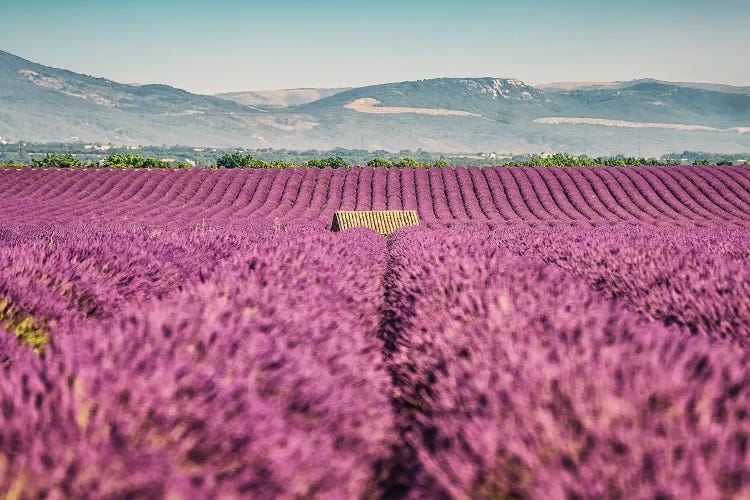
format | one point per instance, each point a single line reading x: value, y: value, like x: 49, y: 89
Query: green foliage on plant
x: 331, y: 161
x: 232, y: 160
x: 131, y: 160
x: 379, y: 161
x: 57, y: 160
x: 314, y: 163
x: 411, y: 162
x: 240, y: 160
x: 407, y: 162
x: 283, y: 164
x: 566, y: 160
x: 11, y: 164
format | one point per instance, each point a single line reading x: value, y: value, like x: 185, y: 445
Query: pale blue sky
x: 226, y: 45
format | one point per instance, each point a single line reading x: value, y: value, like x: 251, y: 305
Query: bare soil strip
x: 370, y: 105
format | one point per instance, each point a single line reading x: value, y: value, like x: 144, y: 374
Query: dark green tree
x: 380, y: 162
x: 407, y: 162
x: 331, y: 161
x: 283, y: 164
x: 57, y: 160
x: 154, y: 163
x: 336, y: 162
x: 232, y: 160
x: 132, y: 160
x: 252, y: 162
x: 314, y: 163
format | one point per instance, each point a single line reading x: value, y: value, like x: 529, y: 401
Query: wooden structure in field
x: 383, y: 221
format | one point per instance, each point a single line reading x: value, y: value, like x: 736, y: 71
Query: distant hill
x: 646, y: 117
x: 562, y: 86
x: 39, y: 103
x: 716, y: 87
x: 485, y: 97
x: 279, y: 98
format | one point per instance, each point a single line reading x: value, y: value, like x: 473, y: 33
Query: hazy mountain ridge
x: 567, y: 86
x: 488, y: 97
x: 44, y: 104
x: 279, y: 98
x: 41, y: 103
x: 653, y: 101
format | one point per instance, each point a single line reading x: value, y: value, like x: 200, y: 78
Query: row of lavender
x: 193, y: 364
x: 446, y: 362
x: 695, y: 278
x: 681, y: 195
x: 516, y: 380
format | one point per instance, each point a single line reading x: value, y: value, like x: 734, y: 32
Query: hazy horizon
x: 231, y: 46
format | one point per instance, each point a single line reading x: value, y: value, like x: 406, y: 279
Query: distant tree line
x: 239, y: 160
x: 69, y: 160
x: 702, y: 158
x: 723, y: 161
x: 565, y: 160
x: 81, y: 156
x: 91, y: 153
x: 131, y: 160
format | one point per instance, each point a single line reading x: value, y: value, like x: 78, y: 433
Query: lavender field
x: 544, y: 333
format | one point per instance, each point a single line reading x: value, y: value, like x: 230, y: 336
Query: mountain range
x: 647, y: 117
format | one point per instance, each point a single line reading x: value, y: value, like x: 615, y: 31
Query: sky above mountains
x: 226, y: 45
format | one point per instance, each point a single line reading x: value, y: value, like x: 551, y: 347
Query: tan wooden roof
x: 382, y: 221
